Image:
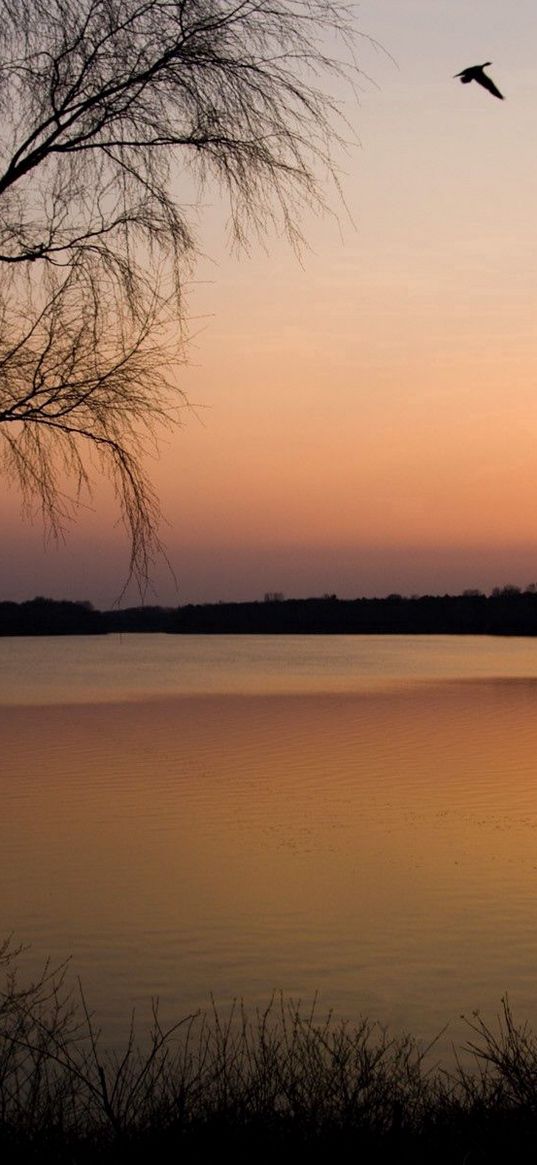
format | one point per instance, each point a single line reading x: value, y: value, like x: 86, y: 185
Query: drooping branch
x: 82, y: 374
x: 104, y: 105
x: 121, y: 87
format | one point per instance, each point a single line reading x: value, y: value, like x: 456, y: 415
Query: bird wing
x: 486, y: 82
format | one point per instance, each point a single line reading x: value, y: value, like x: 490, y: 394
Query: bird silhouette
x: 475, y: 73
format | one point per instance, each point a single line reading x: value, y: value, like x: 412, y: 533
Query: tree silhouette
x: 100, y: 101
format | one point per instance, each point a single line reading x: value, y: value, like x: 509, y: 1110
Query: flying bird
x: 475, y: 73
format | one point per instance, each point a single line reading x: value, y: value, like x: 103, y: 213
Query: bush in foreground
x: 282, y: 1085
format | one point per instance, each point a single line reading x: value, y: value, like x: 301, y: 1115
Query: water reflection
x: 139, y: 667
x: 379, y: 848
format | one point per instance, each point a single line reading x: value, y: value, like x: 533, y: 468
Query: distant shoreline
x: 507, y: 611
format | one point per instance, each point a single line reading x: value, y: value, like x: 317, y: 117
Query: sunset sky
x: 364, y: 420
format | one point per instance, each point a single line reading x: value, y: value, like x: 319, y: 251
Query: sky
x: 364, y: 418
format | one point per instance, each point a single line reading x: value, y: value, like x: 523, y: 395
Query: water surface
x: 237, y: 815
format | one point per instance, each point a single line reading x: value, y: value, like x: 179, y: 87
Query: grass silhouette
x: 281, y: 1085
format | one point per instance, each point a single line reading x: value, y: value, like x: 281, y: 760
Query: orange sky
x: 367, y: 418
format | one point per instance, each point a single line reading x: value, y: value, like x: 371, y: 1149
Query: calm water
x: 234, y: 815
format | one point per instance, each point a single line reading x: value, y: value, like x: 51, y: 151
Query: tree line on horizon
x: 507, y: 610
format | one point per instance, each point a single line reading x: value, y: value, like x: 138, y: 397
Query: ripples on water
x: 363, y: 824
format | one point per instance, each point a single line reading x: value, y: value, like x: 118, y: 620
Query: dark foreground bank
x: 283, y: 1086
x: 507, y: 611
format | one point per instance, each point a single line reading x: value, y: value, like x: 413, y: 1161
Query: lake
x: 189, y: 817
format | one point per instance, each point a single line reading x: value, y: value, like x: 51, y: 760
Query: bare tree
x: 101, y: 102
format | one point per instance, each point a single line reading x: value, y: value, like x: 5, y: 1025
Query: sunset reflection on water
x: 377, y: 847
